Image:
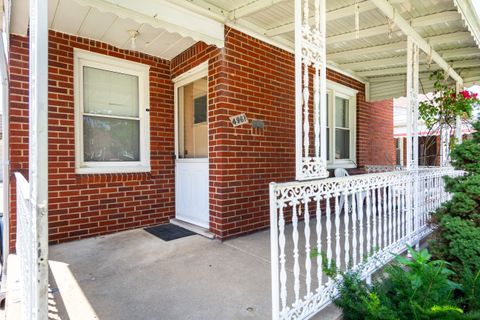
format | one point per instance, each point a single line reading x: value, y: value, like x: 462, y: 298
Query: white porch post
x: 412, y: 105
x: 310, y: 52
x: 412, y: 134
x: 444, y: 146
x: 38, y: 148
x: 458, y: 122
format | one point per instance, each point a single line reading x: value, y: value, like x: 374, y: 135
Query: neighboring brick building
x: 246, y: 76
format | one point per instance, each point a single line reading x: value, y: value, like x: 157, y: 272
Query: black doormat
x: 169, y: 232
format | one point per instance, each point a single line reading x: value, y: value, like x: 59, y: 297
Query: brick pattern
x: 89, y: 205
x: 257, y: 79
x: 380, y: 128
x: 247, y: 76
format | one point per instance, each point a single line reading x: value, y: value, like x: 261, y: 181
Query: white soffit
x: 377, y: 54
x: 164, y: 29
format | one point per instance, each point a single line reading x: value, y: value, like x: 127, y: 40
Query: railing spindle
x: 337, y: 233
x: 346, y: 219
x: 380, y: 218
x: 354, y: 228
x: 369, y: 209
x: 329, y: 230
x: 283, y: 271
x: 308, y: 261
x: 374, y: 221
x: 296, y: 264
x: 319, y: 241
x: 385, y: 217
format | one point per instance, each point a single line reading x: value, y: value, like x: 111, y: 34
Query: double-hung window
x: 111, y: 114
x: 341, y: 126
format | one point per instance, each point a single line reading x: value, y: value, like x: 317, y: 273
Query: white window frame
x: 84, y: 58
x: 338, y: 90
x: 400, y: 148
x: 196, y: 73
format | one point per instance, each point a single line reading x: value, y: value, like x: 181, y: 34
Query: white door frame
x: 196, y: 73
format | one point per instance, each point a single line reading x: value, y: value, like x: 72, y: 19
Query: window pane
x: 200, y: 109
x: 341, y: 112
x: 342, y: 144
x: 328, y: 144
x: 107, y: 139
x: 193, y: 128
x: 110, y: 93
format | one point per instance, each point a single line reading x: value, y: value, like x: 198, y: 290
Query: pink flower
x: 466, y: 94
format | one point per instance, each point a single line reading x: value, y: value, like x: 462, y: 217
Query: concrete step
x: 199, y: 230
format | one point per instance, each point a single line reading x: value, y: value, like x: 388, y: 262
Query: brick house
x: 140, y: 114
x: 230, y: 116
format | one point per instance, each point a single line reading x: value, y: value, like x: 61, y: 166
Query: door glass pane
x: 341, y: 112
x: 342, y: 144
x: 193, y: 125
x: 200, y: 111
x: 110, y: 93
x: 109, y: 139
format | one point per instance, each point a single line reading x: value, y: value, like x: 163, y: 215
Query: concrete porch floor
x: 135, y: 275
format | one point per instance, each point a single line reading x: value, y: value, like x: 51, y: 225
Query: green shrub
x: 458, y: 242
x: 457, y: 239
x: 416, y: 288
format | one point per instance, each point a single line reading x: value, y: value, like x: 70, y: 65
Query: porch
x: 246, y: 73
x: 134, y: 274
x: 119, y: 276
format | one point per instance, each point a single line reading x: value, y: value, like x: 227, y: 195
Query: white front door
x: 191, y: 163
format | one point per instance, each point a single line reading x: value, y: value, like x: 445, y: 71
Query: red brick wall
x: 88, y: 205
x: 247, y: 76
x: 378, y: 142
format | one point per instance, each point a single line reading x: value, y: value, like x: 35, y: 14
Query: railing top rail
x: 22, y: 185
x: 358, y: 178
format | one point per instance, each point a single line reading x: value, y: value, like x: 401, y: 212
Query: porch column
x: 458, y: 122
x: 412, y: 105
x: 412, y: 136
x: 444, y: 146
x: 310, y: 54
x: 38, y: 150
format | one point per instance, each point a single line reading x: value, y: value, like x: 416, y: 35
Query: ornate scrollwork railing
x: 358, y: 222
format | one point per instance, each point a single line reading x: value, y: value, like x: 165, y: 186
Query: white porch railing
x: 31, y: 238
x: 357, y: 221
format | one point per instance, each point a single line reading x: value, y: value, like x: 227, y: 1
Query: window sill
x: 345, y: 165
x: 113, y: 169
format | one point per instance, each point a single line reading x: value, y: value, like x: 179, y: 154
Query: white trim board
x: 82, y: 58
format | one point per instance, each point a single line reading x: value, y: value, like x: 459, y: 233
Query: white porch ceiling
x: 164, y: 29
x: 376, y: 56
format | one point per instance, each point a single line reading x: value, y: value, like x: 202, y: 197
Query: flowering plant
x: 443, y: 108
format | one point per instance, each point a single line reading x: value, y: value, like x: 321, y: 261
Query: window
x: 200, y: 112
x: 111, y: 114
x: 341, y: 111
x: 192, y: 119
x: 399, y: 151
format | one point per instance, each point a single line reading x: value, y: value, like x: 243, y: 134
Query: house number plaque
x: 239, y: 119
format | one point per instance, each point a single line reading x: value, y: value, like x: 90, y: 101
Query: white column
x: 298, y: 91
x: 412, y: 105
x: 38, y: 145
x: 412, y: 198
x: 444, y: 146
x: 310, y: 53
x: 458, y: 122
